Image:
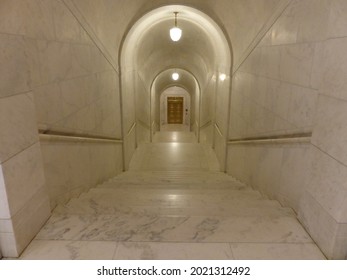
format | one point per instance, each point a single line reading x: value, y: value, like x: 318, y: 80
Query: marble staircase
x: 150, y: 214
x: 173, y: 203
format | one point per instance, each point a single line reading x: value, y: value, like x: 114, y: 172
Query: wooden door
x: 175, y: 110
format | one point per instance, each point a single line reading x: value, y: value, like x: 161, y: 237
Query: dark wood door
x: 175, y: 110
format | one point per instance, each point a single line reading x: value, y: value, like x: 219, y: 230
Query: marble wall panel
x: 279, y: 171
x: 18, y: 231
x: 18, y: 124
x: 302, y: 107
x: 295, y: 172
x: 143, y: 108
x: 88, y: 104
x: 20, y: 189
x: 31, y: 18
x: 14, y: 51
x: 67, y: 28
x: 143, y: 134
x: 44, y: 50
x: 100, y: 62
x: 328, y: 186
x: 270, y: 62
x: 302, y: 21
x: 270, y: 107
x: 74, y: 167
x: 129, y: 147
x: 285, y: 29
x: 206, y: 135
x: 108, y: 20
x: 266, y: 176
x: 239, y: 126
x: 313, y: 16
x: 302, y: 60
x: 73, y: 95
x: 296, y: 63
x: 4, y: 206
x: 222, y: 105
x: 29, y: 220
x: 337, y: 26
x: 331, y: 68
x: 8, y: 244
x: 48, y: 104
x: 106, y: 162
x: 56, y: 171
x: 330, y: 133
x: 220, y: 148
x: 128, y: 100
x: 236, y: 162
x: 324, y: 229
x: 207, y: 102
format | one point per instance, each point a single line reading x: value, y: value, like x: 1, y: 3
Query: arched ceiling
x: 164, y: 80
x: 202, y: 50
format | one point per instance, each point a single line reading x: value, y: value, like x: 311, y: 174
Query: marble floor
x: 173, y: 203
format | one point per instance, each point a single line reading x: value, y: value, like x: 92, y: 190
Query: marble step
x: 99, y: 204
x: 238, y: 209
x: 197, y: 175
x: 173, y: 177
x: 168, y: 198
x: 176, y: 185
x: 136, y: 190
x: 106, y: 201
x: 142, y: 228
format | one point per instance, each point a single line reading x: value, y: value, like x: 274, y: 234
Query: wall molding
x: 218, y: 129
x: 282, y: 6
x: 47, y: 134
x: 76, y: 139
x: 71, y: 6
x: 275, y: 139
x: 131, y: 128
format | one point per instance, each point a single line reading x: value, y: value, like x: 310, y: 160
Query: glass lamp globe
x: 175, y: 34
x: 175, y: 76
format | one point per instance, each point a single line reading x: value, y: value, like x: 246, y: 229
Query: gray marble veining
x: 172, y: 206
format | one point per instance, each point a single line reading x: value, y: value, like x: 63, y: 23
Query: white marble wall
x: 24, y: 203
x: 129, y: 113
x: 293, y: 82
x: 55, y: 77
x: 214, y: 107
x: 143, y: 111
x: 78, y: 93
x: 72, y: 167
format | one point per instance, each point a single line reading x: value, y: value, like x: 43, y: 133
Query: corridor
x: 173, y: 203
x: 173, y: 129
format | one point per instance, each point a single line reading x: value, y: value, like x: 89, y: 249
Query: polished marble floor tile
x: 173, y: 251
x: 69, y: 250
x: 173, y: 156
x: 278, y: 251
x: 180, y: 137
x: 173, y: 229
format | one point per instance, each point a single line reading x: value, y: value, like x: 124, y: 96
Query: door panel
x: 175, y: 110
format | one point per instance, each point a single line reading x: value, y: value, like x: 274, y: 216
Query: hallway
x: 93, y: 93
x: 173, y: 203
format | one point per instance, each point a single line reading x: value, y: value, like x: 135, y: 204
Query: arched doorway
x: 175, y: 108
x: 203, y: 52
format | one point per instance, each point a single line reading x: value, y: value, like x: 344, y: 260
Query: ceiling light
x: 175, y: 32
x: 175, y: 76
x: 222, y: 77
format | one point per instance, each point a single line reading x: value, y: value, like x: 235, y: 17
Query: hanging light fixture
x: 175, y: 32
x: 175, y: 76
x: 222, y: 77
